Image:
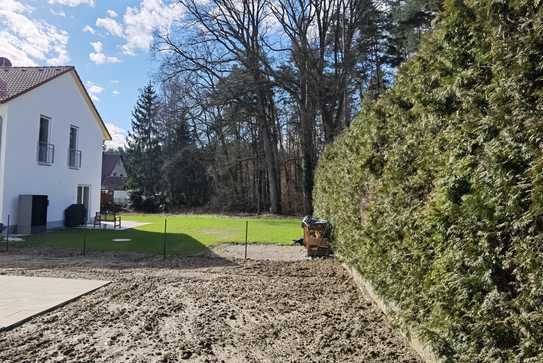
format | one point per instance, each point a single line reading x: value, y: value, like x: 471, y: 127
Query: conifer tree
x: 144, y: 151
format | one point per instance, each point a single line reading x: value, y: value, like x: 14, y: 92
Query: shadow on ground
x: 130, y: 248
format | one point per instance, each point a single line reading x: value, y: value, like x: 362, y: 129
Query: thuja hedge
x: 436, y: 190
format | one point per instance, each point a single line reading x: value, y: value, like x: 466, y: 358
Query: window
x: 74, y: 155
x: 46, y: 151
x: 44, y: 130
x: 73, y: 138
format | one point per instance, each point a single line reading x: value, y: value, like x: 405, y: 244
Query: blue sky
x: 108, y: 41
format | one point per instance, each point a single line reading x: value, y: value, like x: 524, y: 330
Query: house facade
x: 51, y: 142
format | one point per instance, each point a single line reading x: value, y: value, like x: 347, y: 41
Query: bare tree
x: 226, y: 34
x: 268, y: 83
x: 321, y: 47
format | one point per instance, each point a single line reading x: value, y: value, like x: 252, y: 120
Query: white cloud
x: 58, y: 13
x: 115, y: 92
x: 98, y: 55
x: 61, y: 59
x: 26, y: 40
x: 97, y: 46
x: 72, y: 3
x: 15, y: 6
x: 118, y: 136
x: 89, y: 29
x: 101, y: 58
x: 94, y: 90
x: 111, y: 26
x: 140, y: 23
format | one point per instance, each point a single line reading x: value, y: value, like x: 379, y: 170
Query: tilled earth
x: 203, y: 310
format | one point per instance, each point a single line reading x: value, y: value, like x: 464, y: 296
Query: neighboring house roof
x: 109, y: 161
x: 110, y: 182
x: 16, y: 81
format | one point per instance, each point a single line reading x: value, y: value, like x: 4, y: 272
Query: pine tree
x: 184, y: 174
x: 407, y: 21
x: 144, y: 151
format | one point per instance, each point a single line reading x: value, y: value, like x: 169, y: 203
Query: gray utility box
x: 32, y: 213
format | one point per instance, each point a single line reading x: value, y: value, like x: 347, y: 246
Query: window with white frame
x: 46, y: 150
x: 74, y: 155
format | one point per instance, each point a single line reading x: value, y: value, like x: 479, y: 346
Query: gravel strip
x: 261, y: 252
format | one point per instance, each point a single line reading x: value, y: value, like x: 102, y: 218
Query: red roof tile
x: 15, y: 81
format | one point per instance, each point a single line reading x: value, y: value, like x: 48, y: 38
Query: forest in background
x: 249, y: 93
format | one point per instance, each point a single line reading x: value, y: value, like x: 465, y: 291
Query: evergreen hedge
x: 436, y: 191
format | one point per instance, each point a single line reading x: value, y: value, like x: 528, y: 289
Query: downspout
x: 3, y: 219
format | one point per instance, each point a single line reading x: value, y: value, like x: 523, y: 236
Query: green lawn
x: 187, y: 234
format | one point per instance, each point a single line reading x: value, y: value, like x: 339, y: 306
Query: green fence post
x: 246, y: 236
x: 84, y: 250
x: 164, y: 241
x: 7, y: 234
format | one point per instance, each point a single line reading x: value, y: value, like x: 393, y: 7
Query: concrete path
x: 109, y: 225
x: 22, y: 298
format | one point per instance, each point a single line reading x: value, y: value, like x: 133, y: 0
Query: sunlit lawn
x: 187, y: 234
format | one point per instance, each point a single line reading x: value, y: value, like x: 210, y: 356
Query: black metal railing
x: 74, y: 159
x: 46, y: 153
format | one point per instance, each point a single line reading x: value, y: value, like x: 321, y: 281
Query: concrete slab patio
x: 22, y: 298
x: 109, y: 225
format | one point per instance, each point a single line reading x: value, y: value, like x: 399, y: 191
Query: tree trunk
x: 307, y: 121
x: 273, y: 170
x: 266, y: 123
x: 308, y: 151
x: 328, y: 122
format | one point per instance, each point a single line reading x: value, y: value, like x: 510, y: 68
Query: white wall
x: 121, y: 197
x: 3, y: 115
x: 61, y: 101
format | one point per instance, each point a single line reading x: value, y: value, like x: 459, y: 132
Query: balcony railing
x: 74, y: 159
x: 46, y: 153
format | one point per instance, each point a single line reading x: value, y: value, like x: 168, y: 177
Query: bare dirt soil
x: 202, y: 310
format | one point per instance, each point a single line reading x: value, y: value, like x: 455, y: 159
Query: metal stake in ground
x: 246, y: 236
x: 7, y: 235
x: 164, y: 241
x: 84, y: 249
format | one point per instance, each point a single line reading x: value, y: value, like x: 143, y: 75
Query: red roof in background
x: 14, y: 81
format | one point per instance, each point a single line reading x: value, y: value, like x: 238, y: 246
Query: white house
x: 51, y: 141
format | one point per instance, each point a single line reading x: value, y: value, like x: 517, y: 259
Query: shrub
x: 136, y: 200
x: 436, y: 190
x: 147, y: 204
x: 151, y: 204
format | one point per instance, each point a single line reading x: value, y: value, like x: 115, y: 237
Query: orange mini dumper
x: 316, y: 237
